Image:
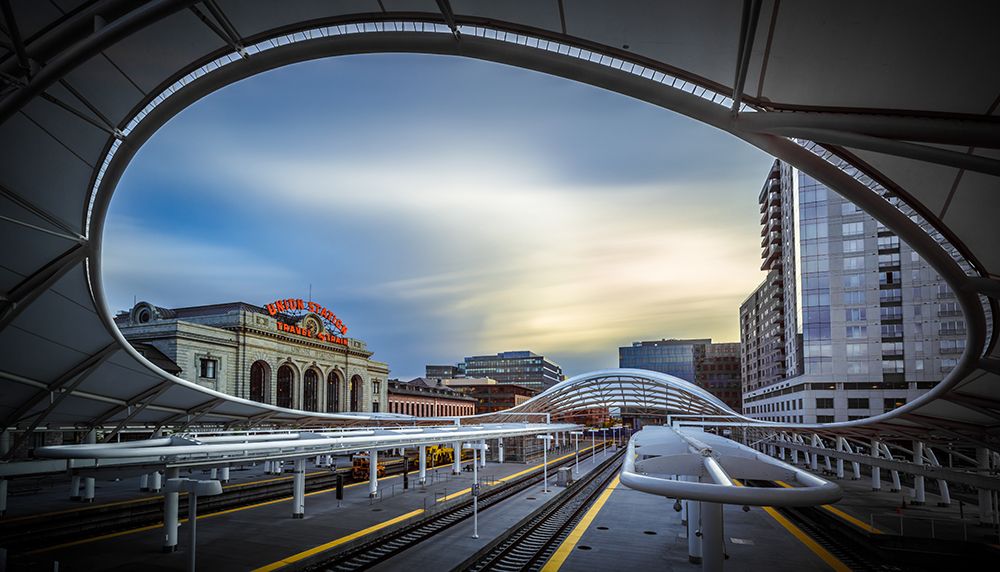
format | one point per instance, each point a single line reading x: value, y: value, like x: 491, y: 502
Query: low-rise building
x: 428, y: 398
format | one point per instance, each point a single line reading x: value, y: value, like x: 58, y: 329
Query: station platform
x: 895, y: 513
x: 264, y: 536
x: 637, y: 531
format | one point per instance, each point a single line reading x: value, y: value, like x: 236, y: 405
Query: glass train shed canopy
x: 894, y: 107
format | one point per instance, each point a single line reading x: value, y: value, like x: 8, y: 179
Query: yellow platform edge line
x: 97, y: 506
x: 831, y: 560
x: 337, y: 542
x: 841, y: 514
x: 201, y: 516
x: 566, y: 548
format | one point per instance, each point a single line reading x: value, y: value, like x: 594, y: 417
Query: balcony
x: 770, y: 213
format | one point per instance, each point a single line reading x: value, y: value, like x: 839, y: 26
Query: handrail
x: 816, y: 491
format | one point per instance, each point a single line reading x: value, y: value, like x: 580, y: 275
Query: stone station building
x: 290, y: 353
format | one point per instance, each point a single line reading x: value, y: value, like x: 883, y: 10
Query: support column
x: 423, y: 464
x: 213, y: 474
x: 170, y: 503
x: 373, y: 472
x: 456, y: 466
x: 299, y: 489
x: 713, y: 547
x: 482, y: 462
x: 155, y: 482
x: 224, y: 474
x: 4, y: 448
x: 919, y: 495
x: 876, y: 471
x: 985, y: 495
x: 694, y: 531
x: 500, y: 448
x: 74, y: 488
x: 89, y: 483
x: 795, y: 456
x: 144, y: 483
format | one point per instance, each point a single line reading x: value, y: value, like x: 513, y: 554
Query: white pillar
x: 4, y: 449
x: 299, y: 489
x: 456, y: 467
x: 373, y: 471
x: 985, y: 495
x: 795, y: 456
x: 483, y: 460
x: 423, y: 464
x: 74, y: 488
x: 840, y: 462
x: 144, y: 482
x: 500, y: 448
x: 155, y: 482
x: 713, y: 547
x: 919, y: 495
x: 694, y: 531
x: 170, y: 503
x: 876, y: 471
x: 224, y: 474
x: 89, y: 482
x: 213, y: 474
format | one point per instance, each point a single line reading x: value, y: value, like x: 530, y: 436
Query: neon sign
x: 310, y: 330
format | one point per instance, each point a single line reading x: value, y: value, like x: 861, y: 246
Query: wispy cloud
x: 566, y: 220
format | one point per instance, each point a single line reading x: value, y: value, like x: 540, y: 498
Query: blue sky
x: 444, y: 207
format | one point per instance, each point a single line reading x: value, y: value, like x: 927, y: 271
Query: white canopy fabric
x: 894, y: 106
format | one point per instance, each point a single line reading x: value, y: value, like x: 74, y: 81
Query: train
x: 390, y: 464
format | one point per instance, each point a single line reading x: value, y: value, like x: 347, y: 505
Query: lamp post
x: 545, y: 462
x: 482, y: 448
x: 593, y: 445
x: 576, y: 445
x: 194, y: 488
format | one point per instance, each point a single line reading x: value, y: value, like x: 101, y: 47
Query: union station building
x: 290, y: 353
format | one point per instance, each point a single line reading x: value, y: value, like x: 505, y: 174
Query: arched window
x: 333, y: 392
x: 283, y: 397
x: 357, y: 387
x: 260, y: 375
x: 310, y: 390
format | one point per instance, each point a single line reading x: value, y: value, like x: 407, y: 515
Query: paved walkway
x: 264, y: 536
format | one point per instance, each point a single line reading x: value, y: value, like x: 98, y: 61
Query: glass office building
x: 876, y: 324
x: 680, y: 358
x: 520, y: 367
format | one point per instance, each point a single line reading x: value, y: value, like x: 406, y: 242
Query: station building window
x: 310, y: 390
x: 207, y: 368
x: 260, y: 374
x: 283, y: 397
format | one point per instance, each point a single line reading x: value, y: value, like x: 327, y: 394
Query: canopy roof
x: 895, y: 109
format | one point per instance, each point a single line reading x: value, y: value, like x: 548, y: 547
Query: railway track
x: 529, y: 545
x: 383, y: 547
x: 849, y: 545
x: 33, y: 532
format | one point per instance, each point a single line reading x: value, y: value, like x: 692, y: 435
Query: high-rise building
x: 679, y: 358
x: 720, y: 373
x: 715, y: 367
x: 864, y: 324
x: 444, y: 371
x: 520, y: 367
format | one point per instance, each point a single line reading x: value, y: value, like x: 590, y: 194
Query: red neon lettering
x: 280, y: 304
x: 271, y: 309
x: 299, y: 305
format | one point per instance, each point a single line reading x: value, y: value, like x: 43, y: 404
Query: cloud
x: 170, y: 270
x: 450, y: 218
